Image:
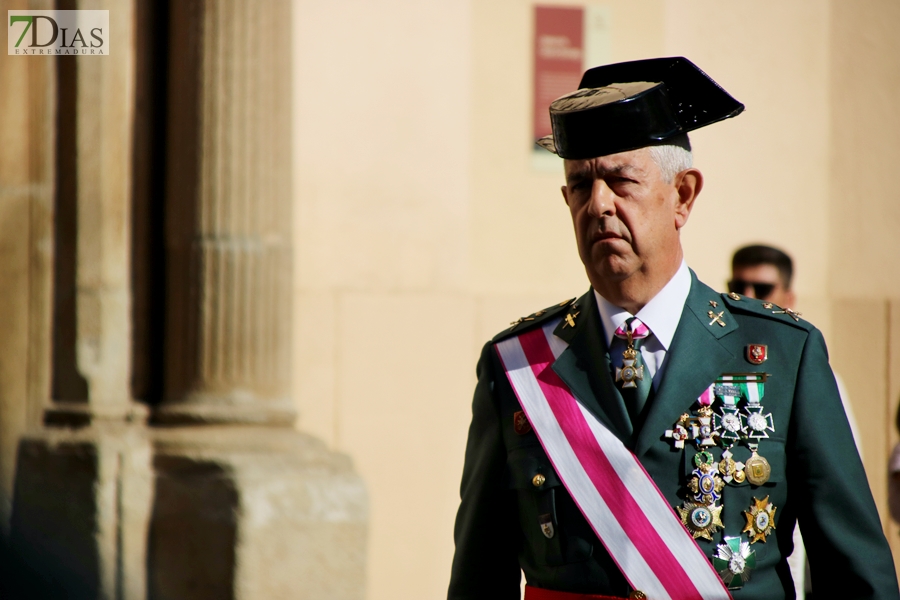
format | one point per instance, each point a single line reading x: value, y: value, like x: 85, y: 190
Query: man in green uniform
x: 727, y: 403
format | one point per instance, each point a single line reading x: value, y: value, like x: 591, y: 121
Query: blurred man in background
x: 765, y: 273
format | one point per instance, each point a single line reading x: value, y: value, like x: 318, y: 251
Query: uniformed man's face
x: 626, y: 216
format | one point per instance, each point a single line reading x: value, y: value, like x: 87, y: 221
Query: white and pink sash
x: 610, y: 486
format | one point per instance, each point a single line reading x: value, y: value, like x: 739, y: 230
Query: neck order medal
x: 629, y: 374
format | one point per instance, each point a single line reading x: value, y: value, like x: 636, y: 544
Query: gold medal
x: 760, y: 520
x: 706, y: 485
x: 700, y: 519
x: 757, y: 469
x: 730, y: 469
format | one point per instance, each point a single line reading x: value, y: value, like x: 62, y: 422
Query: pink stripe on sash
x: 602, y: 474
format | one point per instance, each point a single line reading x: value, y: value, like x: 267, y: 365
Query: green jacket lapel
x: 584, y: 367
x: 697, y: 355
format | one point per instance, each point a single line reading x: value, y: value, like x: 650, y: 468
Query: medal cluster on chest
x: 729, y: 413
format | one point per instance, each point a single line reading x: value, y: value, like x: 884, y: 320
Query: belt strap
x: 533, y: 593
x: 536, y: 593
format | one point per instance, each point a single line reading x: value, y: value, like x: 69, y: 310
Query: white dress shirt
x: 661, y: 315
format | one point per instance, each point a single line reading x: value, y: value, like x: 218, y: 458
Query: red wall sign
x: 558, y: 59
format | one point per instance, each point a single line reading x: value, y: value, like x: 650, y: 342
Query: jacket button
x: 538, y: 480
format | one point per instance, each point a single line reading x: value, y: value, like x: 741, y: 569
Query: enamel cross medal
x: 629, y: 373
x: 730, y: 429
x: 757, y: 423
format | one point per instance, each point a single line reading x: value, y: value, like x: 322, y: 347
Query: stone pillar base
x: 228, y: 512
x: 82, y: 414
x: 80, y: 511
x: 245, y: 513
x: 201, y: 410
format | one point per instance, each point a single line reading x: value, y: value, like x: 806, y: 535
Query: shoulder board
x: 743, y: 304
x: 536, y: 318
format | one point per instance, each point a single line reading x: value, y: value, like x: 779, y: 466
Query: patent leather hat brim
x: 685, y: 99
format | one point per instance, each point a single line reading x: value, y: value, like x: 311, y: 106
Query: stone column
x: 96, y: 131
x: 228, y: 214
x: 82, y: 496
x: 245, y: 506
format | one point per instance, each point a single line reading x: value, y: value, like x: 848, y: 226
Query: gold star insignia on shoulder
x: 713, y: 303
x: 733, y: 296
x: 767, y: 305
x: 760, y: 520
x: 539, y: 313
x: 716, y: 318
x: 791, y: 313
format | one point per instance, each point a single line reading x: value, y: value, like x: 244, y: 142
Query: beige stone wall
x: 864, y: 276
x: 384, y: 314
x: 422, y: 228
x: 767, y: 170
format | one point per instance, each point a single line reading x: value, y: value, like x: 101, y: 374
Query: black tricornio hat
x: 634, y: 104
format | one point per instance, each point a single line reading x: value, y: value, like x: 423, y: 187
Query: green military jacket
x: 816, y: 474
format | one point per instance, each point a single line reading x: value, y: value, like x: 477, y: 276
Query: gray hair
x: 673, y: 157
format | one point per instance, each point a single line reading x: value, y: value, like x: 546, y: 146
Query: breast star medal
x: 760, y: 520
x: 733, y: 560
x: 705, y: 483
x: 700, y: 519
